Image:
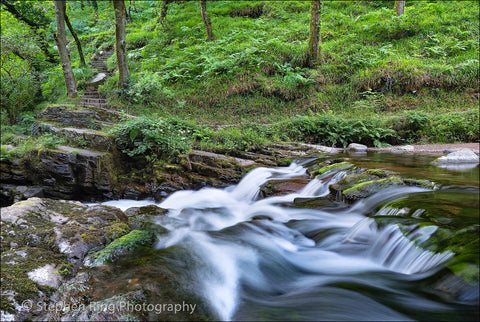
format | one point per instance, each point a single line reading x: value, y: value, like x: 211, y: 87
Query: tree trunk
x: 77, y: 41
x: 314, y: 37
x: 61, y: 40
x: 42, y: 41
x: 163, y: 11
x: 206, y: 20
x: 94, y: 5
x: 120, y: 43
x: 399, y: 7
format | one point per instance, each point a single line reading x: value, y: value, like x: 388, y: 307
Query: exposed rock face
x: 44, y: 245
x: 74, y: 173
x: 65, y: 173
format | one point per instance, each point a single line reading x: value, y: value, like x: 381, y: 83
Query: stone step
x: 90, y: 105
x: 93, y: 100
x: 92, y: 96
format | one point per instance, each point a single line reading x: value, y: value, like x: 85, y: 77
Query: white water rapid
x: 254, y: 258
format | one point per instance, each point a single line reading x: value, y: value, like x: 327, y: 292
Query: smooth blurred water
x: 265, y: 259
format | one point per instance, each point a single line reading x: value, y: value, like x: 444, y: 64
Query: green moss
x: 420, y: 183
x: 367, y: 188
x: 468, y: 271
x: 336, y: 166
x: 378, y: 172
x: 351, y: 180
x: 15, y: 276
x: 117, y: 230
x: 123, y: 245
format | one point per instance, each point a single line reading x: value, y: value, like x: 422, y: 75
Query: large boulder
x: 460, y: 156
x: 356, y: 147
x: 44, y: 242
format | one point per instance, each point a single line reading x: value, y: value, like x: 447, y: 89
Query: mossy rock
x: 368, y: 188
x: 420, y: 183
x: 351, y: 180
x: 378, y: 173
x: 120, y: 246
x: 139, y: 218
x: 16, y: 264
x: 46, y: 237
x: 329, y: 165
x: 313, y: 203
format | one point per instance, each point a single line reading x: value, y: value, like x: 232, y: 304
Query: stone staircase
x: 91, y: 97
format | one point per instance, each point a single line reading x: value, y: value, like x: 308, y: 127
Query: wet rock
x: 65, y: 173
x: 120, y: 247
x: 356, y: 147
x: 333, y: 166
x: 460, y: 156
x: 43, y: 241
x: 12, y: 193
x: 313, y: 203
x: 367, y: 188
x: 365, y: 183
x: 140, y: 217
x: 283, y: 187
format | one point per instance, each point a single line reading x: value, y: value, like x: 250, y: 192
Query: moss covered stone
x: 345, y: 165
x: 120, y: 246
x: 368, y: 188
x: 43, y: 241
x: 16, y: 266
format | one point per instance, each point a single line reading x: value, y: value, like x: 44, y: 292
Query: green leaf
x: 134, y: 133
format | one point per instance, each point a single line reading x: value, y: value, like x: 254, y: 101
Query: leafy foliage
x: 333, y: 131
x: 152, y: 137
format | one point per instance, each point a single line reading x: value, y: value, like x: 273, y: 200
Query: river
x: 387, y: 257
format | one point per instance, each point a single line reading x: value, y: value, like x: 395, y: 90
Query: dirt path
x: 431, y: 148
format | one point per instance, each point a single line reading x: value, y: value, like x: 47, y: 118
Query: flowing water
x: 255, y: 258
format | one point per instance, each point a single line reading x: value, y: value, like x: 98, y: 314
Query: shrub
x: 151, y: 138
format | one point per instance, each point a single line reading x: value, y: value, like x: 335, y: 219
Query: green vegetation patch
x: 368, y: 188
x: 336, y: 166
x: 123, y: 245
x: 15, y: 267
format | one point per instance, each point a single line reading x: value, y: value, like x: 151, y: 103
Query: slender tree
x: 94, y: 5
x: 35, y: 19
x: 163, y: 11
x: 314, y: 36
x: 206, y: 20
x: 399, y: 7
x: 120, y: 43
x: 77, y: 41
x: 61, y: 41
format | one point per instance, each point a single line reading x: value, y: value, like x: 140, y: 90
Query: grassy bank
x: 380, y: 80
